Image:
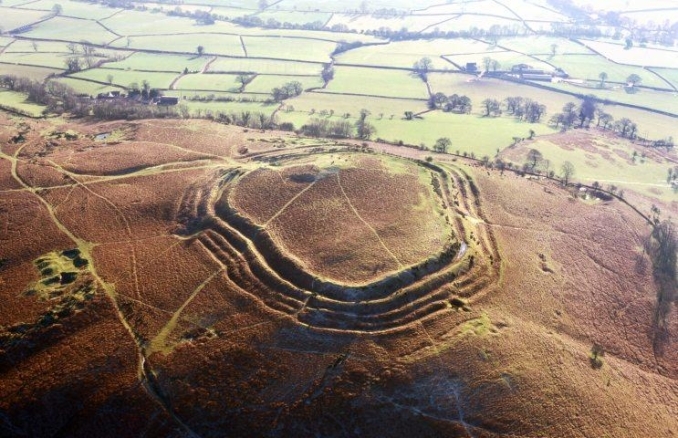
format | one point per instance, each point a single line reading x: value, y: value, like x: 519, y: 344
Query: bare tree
x: 566, y: 172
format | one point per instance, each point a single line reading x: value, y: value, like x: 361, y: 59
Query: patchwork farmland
x: 356, y: 218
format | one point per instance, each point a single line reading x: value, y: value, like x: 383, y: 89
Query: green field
x: 17, y: 101
x: 157, y: 62
x: 25, y: 71
x: 132, y: 23
x: 233, y: 65
x: 541, y: 45
x: 289, y: 48
x: 588, y: 67
x: 477, y: 7
x: 343, y: 104
x: 227, y: 107
x: 670, y: 75
x: 87, y: 87
x: 62, y: 28
x: 404, y: 54
x: 479, y: 90
x: 124, y: 78
x: 468, y: 22
x: 363, y: 23
x: 213, y: 44
x: 664, y: 101
x: 208, y: 82
x: 639, y: 56
x: 344, y: 5
x: 295, y: 17
x: 71, y: 8
x: 265, y: 83
x: 469, y: 133
x: 642, y: 176
x: 167, y: 7
x: 26, y: 46
x: 506, y: 60
x: 13, y: 18
x: 377, y: 82
x: 4, y: 41
x: 53, y: 60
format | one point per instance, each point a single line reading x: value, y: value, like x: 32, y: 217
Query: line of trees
x: 525, y: 108
x: 662, y: 248
x: 587, y: 111
x: 453, y: 103
x: 322, y: 127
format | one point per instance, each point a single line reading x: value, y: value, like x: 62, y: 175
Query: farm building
x: 168, y: 101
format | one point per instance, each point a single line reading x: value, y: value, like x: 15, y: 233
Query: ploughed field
x: 174, y: 278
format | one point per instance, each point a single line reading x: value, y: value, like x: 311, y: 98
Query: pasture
x: 296, y: 49
x: 263, y: 66
x: 589, y: 67
x: 671, y: 75
x: 638, y: 56
x: 609, y: 161
x: 11, y: 19
x: 506, y: 60
x: 473, y: 133
x: 480, y: 89
x: 214, y: 44
x: 197, y: 108
x: 208, y: 82
x: 87, y: 87
x: 17, y: 101
x: 26, y: 71
x: 663, y: 101
x: 377, y: 82
x: 124, y: 78
x: 265, y: 83
x: 73, y: 9
x: 160, y: 62
x: 403, y: 54
x: 61, y: 29
x: 542, y: 45
x: 413, y: 23
x: 294, y: 17
x: 348, y: 6
x: 315, y: 102
x: 52, y: 60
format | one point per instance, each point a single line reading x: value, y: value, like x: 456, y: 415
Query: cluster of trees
x: 525, y: 108
x: 582, y: 115
x: 422, y: 67
x: 88, y: 59
x: 454, y: 103
x: 491, y: 63
x: 320, y: 127
x: 536, y: 163
x: 442, y: 144
x: 247, y: 119
x: 144, y: 92
x: 128, y: 110
x: 272, y: 23
x: 56, y: 96
x: 327, y: 73
x: 289, y: 89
